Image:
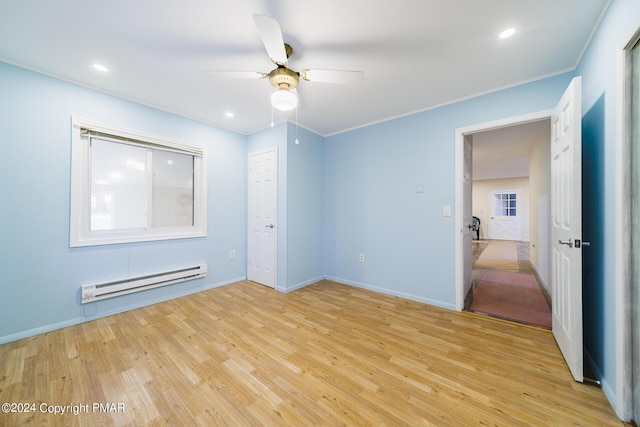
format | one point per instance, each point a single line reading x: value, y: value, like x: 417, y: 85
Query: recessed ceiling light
x: 229, y: 114
x: 100, y: 67
x: 507, y: 33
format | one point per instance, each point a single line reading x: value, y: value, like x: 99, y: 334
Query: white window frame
x: 80, y: 233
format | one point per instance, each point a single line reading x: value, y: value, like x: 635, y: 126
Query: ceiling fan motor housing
x: 284, y: 78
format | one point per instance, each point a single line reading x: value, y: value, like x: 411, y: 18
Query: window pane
x: 512, y: 212
x: 118, y: 186
x: 172, y: 190
x: 512, y: 204
x: 512, y: 196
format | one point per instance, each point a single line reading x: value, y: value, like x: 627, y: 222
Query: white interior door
x: 467, y: 235
x: 505, y: 216
x: 263, y: 176
x: 566, y: 227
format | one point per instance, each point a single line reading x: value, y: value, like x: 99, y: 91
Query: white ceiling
x: 505, y: 152
x: 415, y: 54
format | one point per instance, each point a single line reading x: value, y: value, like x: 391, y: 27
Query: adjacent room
x: 511, y: 184
x: 269, y: 212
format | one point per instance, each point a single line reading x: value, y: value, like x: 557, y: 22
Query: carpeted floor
x: 511, y: 296
x: 511, y: 293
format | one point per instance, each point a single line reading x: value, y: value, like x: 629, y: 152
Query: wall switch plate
x: 232, y: 254
x: 446, y: 210
x: 360, y: 257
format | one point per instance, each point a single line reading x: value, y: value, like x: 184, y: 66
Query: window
x: 131, y: 187
x: 504, y: 204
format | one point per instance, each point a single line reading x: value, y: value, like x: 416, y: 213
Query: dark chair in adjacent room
x: 475, y: 226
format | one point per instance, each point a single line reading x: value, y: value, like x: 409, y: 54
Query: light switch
x: 420, y: 187
x: 446, y: 210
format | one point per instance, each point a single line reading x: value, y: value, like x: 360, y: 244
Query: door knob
x: 566, y: 242
x: 269, y: 225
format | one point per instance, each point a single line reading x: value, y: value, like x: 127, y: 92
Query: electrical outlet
x: 232, y: 254
x: 361, y: 257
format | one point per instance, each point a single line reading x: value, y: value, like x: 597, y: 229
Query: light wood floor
x: 327, y: 354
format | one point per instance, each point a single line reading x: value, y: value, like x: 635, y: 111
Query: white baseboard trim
x: 302, y: 284
x: 392, y: 292
x: 541, y: 279
x: 604, y: 384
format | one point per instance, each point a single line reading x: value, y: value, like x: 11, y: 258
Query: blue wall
x: 601, y: 76
x: 40, y: 276
x: 305, y: 201
x: 593, y: 231
x: 371, y: 203
x: 300, y: 200
x: 338, y: 196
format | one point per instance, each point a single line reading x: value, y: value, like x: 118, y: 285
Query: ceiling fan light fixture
x: 284, y: 100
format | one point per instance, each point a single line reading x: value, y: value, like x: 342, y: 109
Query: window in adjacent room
x: 504, y: 204
x: 131, y: 187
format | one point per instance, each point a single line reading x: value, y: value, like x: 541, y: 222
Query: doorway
x: 566, y: 218
x: 537, y: 214
x: 511, y: 167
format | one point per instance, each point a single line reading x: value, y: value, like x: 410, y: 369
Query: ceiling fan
x: 282, y: 78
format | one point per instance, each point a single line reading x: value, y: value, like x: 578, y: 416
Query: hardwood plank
x: 327, y: 354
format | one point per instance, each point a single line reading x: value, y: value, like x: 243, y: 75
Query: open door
x: 566, y: 228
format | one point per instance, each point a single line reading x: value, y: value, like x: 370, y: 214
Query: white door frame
x: 625, y: 257
x: 467, y: 215
x: 459, y: 181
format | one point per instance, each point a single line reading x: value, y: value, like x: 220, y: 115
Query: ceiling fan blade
x: 332, y: 76
x: 271, y: 35
x: 235, y: 74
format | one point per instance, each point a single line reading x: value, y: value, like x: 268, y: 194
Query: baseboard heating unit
x: 99, y: 291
